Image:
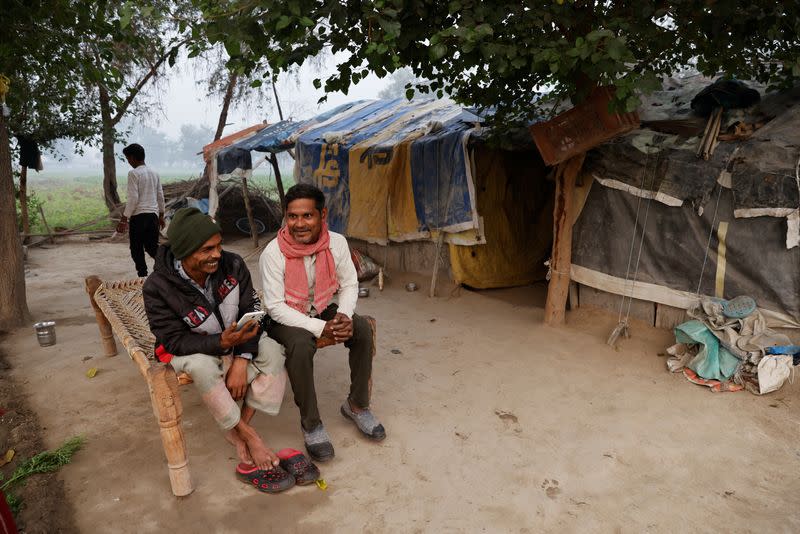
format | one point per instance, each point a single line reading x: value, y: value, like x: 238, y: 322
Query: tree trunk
x: 13, y: 304
x: 277, y: 100
x: 110, y: 194
x: 23, y: 202
x: 226, y: 104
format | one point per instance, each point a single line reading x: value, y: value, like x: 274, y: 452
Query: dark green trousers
x: 301, y: 346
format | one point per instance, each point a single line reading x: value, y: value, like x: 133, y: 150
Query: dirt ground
x: 495, y: 423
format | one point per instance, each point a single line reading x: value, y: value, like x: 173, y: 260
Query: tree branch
x: 143, y: 81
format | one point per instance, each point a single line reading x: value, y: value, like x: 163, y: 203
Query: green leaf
x: 306, y: 22
x: 596, y: 35
x: 437, y: 51
x: 317, y: 83
x: 615, y: 49
x: 256, y: 83
x: 283, y: 22
x: 125, y: 15
x: 410, y: 93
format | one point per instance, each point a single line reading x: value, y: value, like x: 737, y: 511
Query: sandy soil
x: 495, y: 423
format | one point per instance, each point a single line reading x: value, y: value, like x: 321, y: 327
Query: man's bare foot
x: 232, y: 436
x: 262, y: 455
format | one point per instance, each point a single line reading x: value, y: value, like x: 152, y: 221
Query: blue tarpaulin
x: 390, y: 169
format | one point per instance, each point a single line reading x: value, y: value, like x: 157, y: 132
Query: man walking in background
x: 144, y: 211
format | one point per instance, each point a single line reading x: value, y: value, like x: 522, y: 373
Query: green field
x: 69, y: 200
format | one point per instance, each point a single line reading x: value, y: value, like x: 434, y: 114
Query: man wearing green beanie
x: 194, y: 300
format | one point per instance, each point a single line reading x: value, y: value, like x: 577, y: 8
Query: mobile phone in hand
x: 249, y: 316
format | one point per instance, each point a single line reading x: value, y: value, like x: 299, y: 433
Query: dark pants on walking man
x: 301, y: 346
x: 143, y: 233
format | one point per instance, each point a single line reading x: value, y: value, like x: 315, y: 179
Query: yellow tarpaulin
x: 516, y: 204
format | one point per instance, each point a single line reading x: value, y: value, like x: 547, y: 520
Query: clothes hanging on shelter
x: 29, y: 154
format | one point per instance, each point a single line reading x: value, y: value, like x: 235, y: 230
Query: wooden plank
x: 574, y: 302
x: 669, y: 317
x: 557, y: 290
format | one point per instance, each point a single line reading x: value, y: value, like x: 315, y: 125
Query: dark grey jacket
x: 181, y: 317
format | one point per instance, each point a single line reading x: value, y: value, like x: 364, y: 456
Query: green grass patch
x: 70, y: 200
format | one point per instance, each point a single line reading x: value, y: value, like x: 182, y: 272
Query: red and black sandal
x: 296, y: 463
x: 273, y: 480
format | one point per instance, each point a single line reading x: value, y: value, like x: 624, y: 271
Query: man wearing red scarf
x: 302, y: 269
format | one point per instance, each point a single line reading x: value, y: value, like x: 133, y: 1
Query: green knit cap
x: 188, y: 230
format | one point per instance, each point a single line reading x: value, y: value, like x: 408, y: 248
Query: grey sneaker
x: 365, y: 421
x: 318, y: 444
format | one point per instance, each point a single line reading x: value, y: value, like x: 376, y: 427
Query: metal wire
x: 633, y: 238
x: 641, y: 240
x: 708, y: 243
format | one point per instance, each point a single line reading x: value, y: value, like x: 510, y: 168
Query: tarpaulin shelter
x: 724, y: 227
x: 399, y: 171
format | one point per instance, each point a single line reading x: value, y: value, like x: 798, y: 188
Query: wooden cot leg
x: 107, y: 335
x: 163, y: 385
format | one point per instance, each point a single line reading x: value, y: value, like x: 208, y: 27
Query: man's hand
x: 340, y: 328
x: 161, y: 222
x: 231, y: 337
x: 122, y: 225
x: 236, y: 379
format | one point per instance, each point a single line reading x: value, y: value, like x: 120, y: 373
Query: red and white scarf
x: 296, y: 279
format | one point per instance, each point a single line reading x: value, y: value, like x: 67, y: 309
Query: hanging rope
x: 633, y: 238
x: 644, y: 228
x: 643, y: 188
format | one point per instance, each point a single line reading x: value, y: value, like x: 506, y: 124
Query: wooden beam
x: 250, y: 219
x: 106, y: 333
x: 273, y: 159
x: 163, y: 385
x: 46, y: 226
x: 561, y: 258
x: 23, y: 202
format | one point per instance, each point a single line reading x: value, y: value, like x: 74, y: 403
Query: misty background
x: 181, y: 112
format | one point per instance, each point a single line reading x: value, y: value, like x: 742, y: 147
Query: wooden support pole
x: 250, y: 219
x: 106, y: 334
x: 273, y: 159
x: 23, y: 202
x: 561, y: 259
x: 213, y: 196
x: 163, y: 385
x: 46, y: 226
x: 435, y: 274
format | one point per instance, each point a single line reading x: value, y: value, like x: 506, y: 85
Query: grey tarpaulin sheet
x: 757, y: 262
x: 762, y: 167
x: 673, y: 173
x: 763, y: 172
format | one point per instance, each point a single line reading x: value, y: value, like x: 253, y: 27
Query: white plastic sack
x: 773, y: 370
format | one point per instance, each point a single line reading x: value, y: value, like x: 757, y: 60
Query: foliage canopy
x: 501, y: 53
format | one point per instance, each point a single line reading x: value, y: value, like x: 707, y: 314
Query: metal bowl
x: 411, y: 286
x: 363, y: 292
